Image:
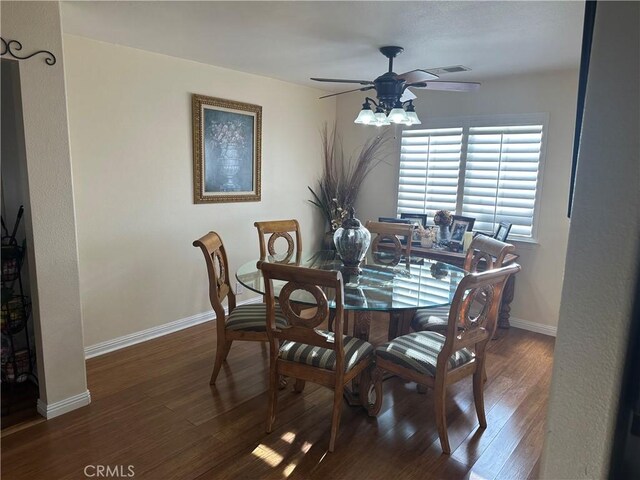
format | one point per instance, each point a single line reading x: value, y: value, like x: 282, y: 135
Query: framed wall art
x: 227, y: 144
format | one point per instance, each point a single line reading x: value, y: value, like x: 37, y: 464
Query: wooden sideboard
x: 457, y: 259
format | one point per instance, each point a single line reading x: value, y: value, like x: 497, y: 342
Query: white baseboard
x: 533, y: 326
x: 155, y: 332
x: 55, y: 409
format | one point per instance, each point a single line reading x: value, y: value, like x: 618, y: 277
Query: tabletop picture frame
x: 458, y: 228
x: 503, y: 231
x: 227, y: 150
x: 416, y: 219
x: 470, y: 221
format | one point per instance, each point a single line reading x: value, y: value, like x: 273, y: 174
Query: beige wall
x: 130, y: 124
x: 599, y: 288
x: 538, y: 286
x: 50, y: 220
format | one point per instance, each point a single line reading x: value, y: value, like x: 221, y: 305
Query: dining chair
x: 436, y: 360
x: 387, y: 249
x: 303, y: 351
x: 244, y: 322
x: 391, y: 235
x: 279, y: 229
x: 482, y: 249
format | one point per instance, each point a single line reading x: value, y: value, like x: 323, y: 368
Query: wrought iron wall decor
x: 12, y: 46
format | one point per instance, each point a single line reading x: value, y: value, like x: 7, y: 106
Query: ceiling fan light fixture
x: 393, y: 91
x: 413, y: 119
x: 412, y: 115
x: 381, y: 118
x: 398, y: 115
x: 366, y: 115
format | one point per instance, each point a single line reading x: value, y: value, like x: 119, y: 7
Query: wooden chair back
x: 490, y: 250
x: 467, y: 328
x: 303, y: 328
x: 390, y: 232
x: 279, y: 229
x: 215, y: 257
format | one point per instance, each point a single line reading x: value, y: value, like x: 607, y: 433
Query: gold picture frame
x: 227, y: 150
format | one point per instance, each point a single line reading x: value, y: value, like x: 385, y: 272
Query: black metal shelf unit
x: 17, y: 359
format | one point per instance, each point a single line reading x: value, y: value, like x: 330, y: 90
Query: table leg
x: 362, y: 324
x: 395, y: 324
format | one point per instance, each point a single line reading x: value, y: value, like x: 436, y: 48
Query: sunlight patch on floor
x: 267, y: 455
x: 475, y: 476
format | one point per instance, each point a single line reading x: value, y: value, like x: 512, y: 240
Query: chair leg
x: 376, y: 379
x: 478, y: 395
x: 335, y: 419
x: 364, y: 387
x: 441, y: 416
x: 299, y: 385
x: 222, y: 350
x: 274, y: 381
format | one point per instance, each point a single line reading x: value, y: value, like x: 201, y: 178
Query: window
x: 479, y: 167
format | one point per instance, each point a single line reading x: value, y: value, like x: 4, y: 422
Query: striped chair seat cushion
x: 253, y: 318
x: 354, y: 351
x: 430, y: 319
x: 419, y: 351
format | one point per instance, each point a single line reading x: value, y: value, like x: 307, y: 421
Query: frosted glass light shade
x: 413, y: 118
x: 398, y: 115
x: 366, y: 117
x: 381, y: 119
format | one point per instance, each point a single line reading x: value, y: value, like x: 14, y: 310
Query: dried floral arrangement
x: 428, y: 233
x: 443, y: 218
x: 342, y: 177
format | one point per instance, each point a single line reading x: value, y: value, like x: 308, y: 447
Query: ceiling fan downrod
x: 391, y: 52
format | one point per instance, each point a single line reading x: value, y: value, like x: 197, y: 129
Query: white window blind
x: 429, y: 170
x: 486, y: 172
x: 501, y: 177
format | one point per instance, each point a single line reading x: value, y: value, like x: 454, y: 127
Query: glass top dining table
x: 381, y: 286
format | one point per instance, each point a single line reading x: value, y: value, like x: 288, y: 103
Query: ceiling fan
x: 395, y: 100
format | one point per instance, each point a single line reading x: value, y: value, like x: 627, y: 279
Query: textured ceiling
x: 293, y: 41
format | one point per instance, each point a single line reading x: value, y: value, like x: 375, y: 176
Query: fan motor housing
x: 388, y: 89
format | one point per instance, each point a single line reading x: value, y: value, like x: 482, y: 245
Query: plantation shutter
x: 429, y: 170
x: 501, y: 177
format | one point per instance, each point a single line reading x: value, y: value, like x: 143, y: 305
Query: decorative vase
x: 426, y: 242
x: 229, y: 165
x: 443, y: 236
x: 352, y: 241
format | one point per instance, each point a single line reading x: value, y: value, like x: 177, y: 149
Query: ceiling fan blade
x: 419, y: 75
x: 339, y: 80
x: 449, y: 86
x: 348, y: 91
x: 407, y: 95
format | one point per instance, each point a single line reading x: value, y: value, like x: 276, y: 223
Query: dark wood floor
x: 153, y: 409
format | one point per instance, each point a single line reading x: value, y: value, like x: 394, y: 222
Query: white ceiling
x: 293, y: 41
